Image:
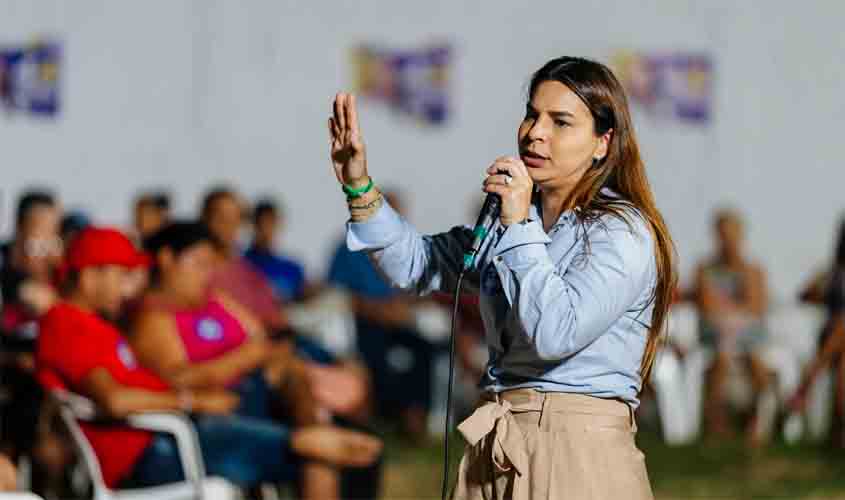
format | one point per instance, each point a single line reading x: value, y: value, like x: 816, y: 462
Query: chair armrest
x: 177, y: 425
x: 82, y: 408
x: 180, y: 428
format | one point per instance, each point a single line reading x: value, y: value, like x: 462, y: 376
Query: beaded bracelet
x: 368, y: 205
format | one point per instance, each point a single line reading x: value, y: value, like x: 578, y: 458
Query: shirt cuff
x: 375, y: 233
x: 522, y: 244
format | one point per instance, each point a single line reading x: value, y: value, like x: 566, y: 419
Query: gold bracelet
x: 368, y: 205
x: 362, y: 214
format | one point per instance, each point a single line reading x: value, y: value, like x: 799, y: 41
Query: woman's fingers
x: 499, y: 189
x: 505, y: 177
x: 343, y: 112
x: 352, y: 115
x: 344, y: 125
x: 338, y: 112
x: 333, y: 134
x: 501, y: 179
x: 508, y: 164
x: 508, y: 177
x: 335, y: 112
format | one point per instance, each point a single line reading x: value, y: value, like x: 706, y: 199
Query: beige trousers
x: 524, y: 444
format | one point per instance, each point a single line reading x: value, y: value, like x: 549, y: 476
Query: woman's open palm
x: 349, y: 156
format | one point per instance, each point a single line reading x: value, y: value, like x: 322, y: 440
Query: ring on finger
x: 508, y: 180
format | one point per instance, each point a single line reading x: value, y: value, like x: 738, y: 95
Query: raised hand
x: 349, y: 156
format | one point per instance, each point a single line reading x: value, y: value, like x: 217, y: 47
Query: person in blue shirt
x: 574, y: 287
x: 286, y: 275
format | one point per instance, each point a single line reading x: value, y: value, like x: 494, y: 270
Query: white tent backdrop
x: 185, y: 94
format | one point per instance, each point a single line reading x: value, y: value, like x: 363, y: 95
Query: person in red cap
x: 80, y: 346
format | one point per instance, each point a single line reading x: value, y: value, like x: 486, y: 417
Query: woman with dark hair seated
x: 196, y: 338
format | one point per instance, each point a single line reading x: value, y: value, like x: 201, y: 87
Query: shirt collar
x: 536, y: 212
x: 536, y: 209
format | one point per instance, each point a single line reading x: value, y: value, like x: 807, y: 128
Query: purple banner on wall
x: 673, y: 85
x: 29, y: 78
x: 413, y: 82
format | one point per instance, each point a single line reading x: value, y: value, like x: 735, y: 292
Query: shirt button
x: 499, y: 259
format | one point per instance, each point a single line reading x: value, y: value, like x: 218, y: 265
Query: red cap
x: 103, y: 247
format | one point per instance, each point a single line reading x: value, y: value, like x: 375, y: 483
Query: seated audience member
x: 222, y: 212
x: 29, y: 261
x: 399, y: 358
x: 285, y: 274
x: 151, y: 213
x: 828, y: 289
x: 199, y: 337
x: 245, y: 450
x: 235, y: 277
x: 196, y: 338
x: 26, y: 277
x: 829, y: 352
x: 823, y: 288
x: 731, y: 297
x: 72, y: 224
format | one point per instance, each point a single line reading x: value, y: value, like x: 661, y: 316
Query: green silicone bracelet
x: 353, y: 193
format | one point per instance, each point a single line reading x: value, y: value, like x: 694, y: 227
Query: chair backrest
x: 796, y: 326
x: 683, y: 325
x: 89, y: 458
x: 72, y: 409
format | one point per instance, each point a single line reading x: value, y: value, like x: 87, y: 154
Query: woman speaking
x: 574, y: 285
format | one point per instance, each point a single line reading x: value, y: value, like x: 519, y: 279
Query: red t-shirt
x: 71, y: 344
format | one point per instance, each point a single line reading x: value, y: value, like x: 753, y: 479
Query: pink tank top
x: 209, y: 332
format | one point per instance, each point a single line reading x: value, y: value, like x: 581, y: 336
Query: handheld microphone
x: 489, y: 213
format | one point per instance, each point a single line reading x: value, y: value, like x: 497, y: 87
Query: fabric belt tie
x: 508, y: 449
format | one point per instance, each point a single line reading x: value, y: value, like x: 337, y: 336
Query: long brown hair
x: 622, y: 170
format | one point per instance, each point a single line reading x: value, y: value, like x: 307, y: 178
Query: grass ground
x: 703, y: 471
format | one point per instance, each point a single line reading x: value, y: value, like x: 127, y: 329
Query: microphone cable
x: 445, y: 484
x: 486, y: 219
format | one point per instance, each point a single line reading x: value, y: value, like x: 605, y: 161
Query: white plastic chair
x: 677, y: 383
x: 796, y: 327
x: 74, y: 408
x: 327, y: 319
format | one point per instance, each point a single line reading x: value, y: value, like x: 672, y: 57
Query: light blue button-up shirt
x: 568, y: 311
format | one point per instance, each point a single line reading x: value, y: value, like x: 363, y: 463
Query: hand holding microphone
x: 509, y: 189
x: 508, y: 178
